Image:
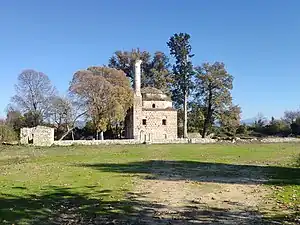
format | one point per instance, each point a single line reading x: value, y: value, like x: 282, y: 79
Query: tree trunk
x: 185, y: 134
x: 72, y: 135
x: 101, y: 136
x: 69, y: 130
x: 208, y: 115
x: 117, y: 132
x: 205, y: 127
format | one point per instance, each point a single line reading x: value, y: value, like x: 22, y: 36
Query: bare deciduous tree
x: 291, y: 116
x: 64, y: 113
x: 34, y: 93
x: 260, y: 120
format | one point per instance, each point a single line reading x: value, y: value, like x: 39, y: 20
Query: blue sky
x: 257, y: 40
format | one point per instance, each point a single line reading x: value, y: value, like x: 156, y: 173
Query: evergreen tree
x: 183, y: 72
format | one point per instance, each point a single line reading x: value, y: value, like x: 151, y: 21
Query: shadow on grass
x: 298, y: 161
x: 63, y: 206
x: 293, y: 218
x: 205, y: 172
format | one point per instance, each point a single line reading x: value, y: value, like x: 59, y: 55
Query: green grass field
x: 92, y: 185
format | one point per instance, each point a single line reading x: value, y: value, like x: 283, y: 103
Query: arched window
x: 164, y: 122
x: 153, y: 106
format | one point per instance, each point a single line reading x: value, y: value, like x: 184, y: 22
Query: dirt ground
x: 185, y: 202
x: 224, y: 200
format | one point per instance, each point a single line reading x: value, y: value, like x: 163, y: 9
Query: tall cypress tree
x: 180, y: 48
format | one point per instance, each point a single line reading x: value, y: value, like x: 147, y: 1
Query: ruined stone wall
x: 43, y: 136
x: 39, y: 136
x: 155, y: 129
x: 26, y: 135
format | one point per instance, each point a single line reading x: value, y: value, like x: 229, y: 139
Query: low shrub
x: 7, y: 134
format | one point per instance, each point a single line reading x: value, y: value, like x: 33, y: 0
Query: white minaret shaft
x: 137, y: 77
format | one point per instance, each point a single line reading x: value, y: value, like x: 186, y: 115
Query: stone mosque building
x: 152, y: 117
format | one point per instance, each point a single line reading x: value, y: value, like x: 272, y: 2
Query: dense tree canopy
x: 106, y: 93
x: 159, y: 75
x: 125, y: 60
x: 229, y: 120
x: 155, y: 70
x: 213, y: 86
x: 196, y: 117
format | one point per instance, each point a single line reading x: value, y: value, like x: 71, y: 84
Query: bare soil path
x: 222, y: 201
x: 184, y: 202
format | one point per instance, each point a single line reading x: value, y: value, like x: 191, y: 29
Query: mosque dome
x: 154, y: 94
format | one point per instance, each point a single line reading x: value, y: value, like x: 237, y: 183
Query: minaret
x: 137, y: 104
x: 137, y: 77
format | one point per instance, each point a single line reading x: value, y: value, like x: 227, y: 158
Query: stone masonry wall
x: 163, y: 141
x: 40, y: 136
x: 158, y: 104
x: 155, y: 130
x: 129, y: 124
x: 43, y: 136
x: 279, y: 140
x: 26, y: 135
x: 133, y: 142
x: 97, y: 142
x: 137, y: 117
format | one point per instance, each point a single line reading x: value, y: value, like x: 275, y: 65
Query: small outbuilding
x: 38, y: 136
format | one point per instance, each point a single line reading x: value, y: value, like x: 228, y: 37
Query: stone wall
x: 154, y: 129
x: 186, y: 141
x: 279, y: 140
x: 157, y: 104
x: 170, y: 141
x: 202, y: 140
x: 137, y: 117
x: 134, y: 142
x: 26, y: 135
x: 39, y: 136
x: 97, y: 142
x: 128, y: 133
x: 43, y: 136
